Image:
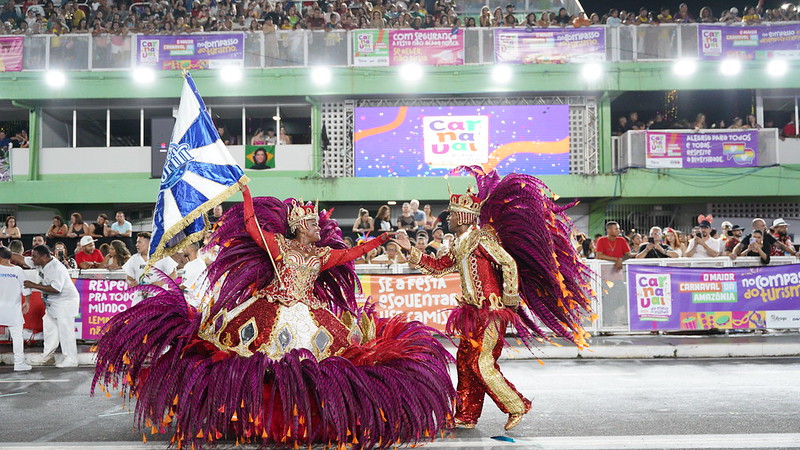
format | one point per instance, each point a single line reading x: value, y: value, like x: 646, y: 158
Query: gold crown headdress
x: 466, y: 206
x: 299, y: 213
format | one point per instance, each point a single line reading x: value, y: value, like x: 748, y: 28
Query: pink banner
x: 100, y: 301
x: 426, y: 47
x: 11, y: 53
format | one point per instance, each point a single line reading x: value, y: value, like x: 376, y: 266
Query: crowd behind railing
x: 119, y: 18
x: 658, y: 121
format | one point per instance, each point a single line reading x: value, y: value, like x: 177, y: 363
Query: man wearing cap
x: 89, y: 257
x: 726, y: 228
x: 703, y: 245
x: 734, y: 237
x: 783, y: 245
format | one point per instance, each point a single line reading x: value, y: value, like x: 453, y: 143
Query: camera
x: 698, y: 234
x: 651, y: 240
x: 61, y: 253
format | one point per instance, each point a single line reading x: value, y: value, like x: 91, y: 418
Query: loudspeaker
x: 160, y: 133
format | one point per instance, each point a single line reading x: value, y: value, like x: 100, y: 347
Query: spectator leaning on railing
x: 612, y: 247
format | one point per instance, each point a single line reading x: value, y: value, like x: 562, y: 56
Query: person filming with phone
x: 703, y: 245
x: 655, y: 247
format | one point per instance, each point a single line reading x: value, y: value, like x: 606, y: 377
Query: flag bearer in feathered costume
x: 280, y: 354
x: 517, y: 264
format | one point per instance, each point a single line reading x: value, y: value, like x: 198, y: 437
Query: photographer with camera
x: 655, y: 248
x: 703, y: 245
x: 61, y: 255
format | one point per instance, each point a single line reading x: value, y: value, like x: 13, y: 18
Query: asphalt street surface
x: 656, y: 403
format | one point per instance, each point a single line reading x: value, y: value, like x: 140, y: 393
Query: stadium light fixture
x: 321, y: 75
x: 777, y: 68
x: 592, y: 71
x: 502, y: 73
x: 411, y: 72
x: 231, y: 74
x: 55, y: 78
x: 684, y: 67
x: 144, y: 75
x: 730, y: 67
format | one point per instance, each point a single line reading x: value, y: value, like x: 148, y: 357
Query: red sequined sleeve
x: 432, y: 266
x: 338, y: 257
x: 264, y: 239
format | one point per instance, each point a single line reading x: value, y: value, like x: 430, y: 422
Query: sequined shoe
x: 513, y: 420
x: 462, y: 424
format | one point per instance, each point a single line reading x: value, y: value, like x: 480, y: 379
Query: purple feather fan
x: 537, y: 233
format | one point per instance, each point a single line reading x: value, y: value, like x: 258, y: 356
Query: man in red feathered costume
x: 490, y: 291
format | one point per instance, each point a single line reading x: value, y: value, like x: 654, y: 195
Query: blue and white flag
x: 199, y: 174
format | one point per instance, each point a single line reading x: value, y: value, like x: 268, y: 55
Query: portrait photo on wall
x: 259, y: 157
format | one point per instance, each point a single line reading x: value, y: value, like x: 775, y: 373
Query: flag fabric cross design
x: 199, y: 174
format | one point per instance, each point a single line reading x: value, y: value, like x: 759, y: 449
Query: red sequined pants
x: 479, y: 374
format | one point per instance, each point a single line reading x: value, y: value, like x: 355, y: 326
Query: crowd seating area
x: 119, y: 18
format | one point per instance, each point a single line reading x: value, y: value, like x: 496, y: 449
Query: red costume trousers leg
x: 479, y: 374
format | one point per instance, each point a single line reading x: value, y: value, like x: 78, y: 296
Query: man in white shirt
x: 61, y: 300
x: 11, y: 310
x: 194, y: 281
x: 120, y: 228
x: 134, y: 268
x: 703, y: 245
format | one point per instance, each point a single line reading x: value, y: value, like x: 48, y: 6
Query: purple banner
x: 555, y: 46
x: 734, y: 148
x: 749, y: 43
x: 426, y: 47
x: 677, y: 298
x: 11, y: 53
x: 431, y: 140
x: 190, y: 52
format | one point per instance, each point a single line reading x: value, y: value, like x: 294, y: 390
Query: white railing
x: 302, y: 48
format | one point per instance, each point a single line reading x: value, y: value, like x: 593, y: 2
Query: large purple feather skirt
x: 394, y: 389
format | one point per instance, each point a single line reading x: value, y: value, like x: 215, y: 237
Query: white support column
x: 108, y: 127
x: 74, y: 128
x: 141, y: 127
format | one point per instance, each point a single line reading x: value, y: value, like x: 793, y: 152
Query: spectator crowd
x: 632, y: 121
x: 118, y: 18
x: 704, y: 241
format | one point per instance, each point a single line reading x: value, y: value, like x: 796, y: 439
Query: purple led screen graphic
x: 429, y: 141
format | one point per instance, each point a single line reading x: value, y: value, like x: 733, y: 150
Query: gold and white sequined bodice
x: 297, y: 270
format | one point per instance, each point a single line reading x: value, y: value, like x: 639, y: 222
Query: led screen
x: 431, y: 140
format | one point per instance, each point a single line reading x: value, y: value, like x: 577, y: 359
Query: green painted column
x: 604, y: 124
x: 597, y: 217
x: 316, y: 136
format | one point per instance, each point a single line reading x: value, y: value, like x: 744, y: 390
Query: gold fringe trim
x: 162, y: 252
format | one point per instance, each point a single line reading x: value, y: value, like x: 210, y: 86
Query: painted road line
x: 26, y: 380
x: 679, y: 441
x: 11, y: 395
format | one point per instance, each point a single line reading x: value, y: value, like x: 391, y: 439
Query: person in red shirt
x: 612, y: 247
x: 89, y: 257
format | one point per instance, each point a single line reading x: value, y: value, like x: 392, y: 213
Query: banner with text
x: 11, y: 53
x: 100, y: 301
x: 398, y: 47
x: 190, y: 52
x: 678, y: 298
x: 422, y: 297
x: 749, y: 43
x: 734, y: 148
x: 549, y: 45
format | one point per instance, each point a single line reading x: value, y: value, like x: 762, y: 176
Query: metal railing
x: 302, y: 48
